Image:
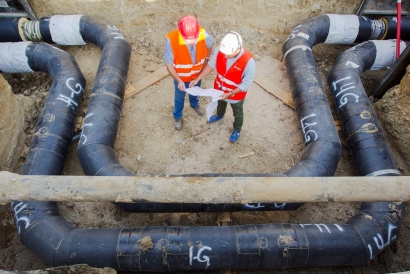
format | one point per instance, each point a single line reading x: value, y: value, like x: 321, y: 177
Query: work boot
x: 200, y: 111
x: 178, y: 123
x: 214, y: 118
x: 235, y: 136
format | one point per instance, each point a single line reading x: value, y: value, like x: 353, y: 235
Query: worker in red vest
x: 235, y: 67
x: 187, y: 51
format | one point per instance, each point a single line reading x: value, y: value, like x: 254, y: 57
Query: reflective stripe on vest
x: 183, y: 64
x: 230, y: 80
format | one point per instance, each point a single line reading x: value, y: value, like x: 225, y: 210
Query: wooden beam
x: 145, y: 82
x: 14, y: 187
x: 284, y: 96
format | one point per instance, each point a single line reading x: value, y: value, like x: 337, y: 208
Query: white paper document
x: 214, y: 93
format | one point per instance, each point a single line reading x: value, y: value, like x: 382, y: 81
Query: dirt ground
x: 147, y: 143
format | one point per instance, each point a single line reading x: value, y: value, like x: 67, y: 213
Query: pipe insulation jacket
x: 266, y: 246
x: 384, y: 58
x: 65, y: 30
x: 13, y: 58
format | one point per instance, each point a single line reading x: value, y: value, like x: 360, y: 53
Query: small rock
x: 24, y: 152
x: 179, y: 141
x: 27, y: 92
x: 26, y: 126
x: 139, y: 157
x: 257, y: 56
x: 261, y: 32
x: 69, y: 204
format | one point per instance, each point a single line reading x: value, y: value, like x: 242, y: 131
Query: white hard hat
x: 231, y: 42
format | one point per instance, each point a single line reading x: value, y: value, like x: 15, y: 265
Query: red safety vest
x: 230, y: 80
x: 183, y: 64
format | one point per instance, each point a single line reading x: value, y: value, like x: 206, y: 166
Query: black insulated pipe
x: 366, y: 138
x: 323, y: 147
x: 55, y: 126
x: 42, y: 228
x: 10, y: 29
x: 198, y: 248
x: 95, y: 147
x: 391, y: 28
x: 173, y: 208
x: 381, y: 219
x: 361, y: 127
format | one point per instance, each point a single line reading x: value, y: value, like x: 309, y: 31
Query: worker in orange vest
x: 235, y: 70
x: 187, y: 51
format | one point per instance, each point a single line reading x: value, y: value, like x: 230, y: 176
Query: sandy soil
x: 148, y: 144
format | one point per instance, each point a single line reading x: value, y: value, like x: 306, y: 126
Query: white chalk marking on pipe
x: 302, y: 34
x: 352, y: 64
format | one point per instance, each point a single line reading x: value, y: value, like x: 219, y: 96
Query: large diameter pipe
x: 366, y: 138
x: 52, y: 137
x: 243, y: 190
x: 364, y: 134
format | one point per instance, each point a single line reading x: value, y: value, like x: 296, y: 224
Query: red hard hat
x: 188, y: 27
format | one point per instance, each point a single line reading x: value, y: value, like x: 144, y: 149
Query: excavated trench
x: 286, y: 244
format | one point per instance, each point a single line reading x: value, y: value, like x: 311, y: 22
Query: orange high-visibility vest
x: 230, y: 80
x: 183, y: 64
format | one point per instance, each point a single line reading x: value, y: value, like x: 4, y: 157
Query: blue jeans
x: 179, y: 99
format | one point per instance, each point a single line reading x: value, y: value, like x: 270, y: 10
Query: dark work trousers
x: 237, y: 110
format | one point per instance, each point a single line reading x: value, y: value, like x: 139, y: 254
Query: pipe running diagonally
x: 267, y: 246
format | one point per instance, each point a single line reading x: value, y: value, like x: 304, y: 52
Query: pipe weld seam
x: 378, y: 29
x: 31, y: 31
